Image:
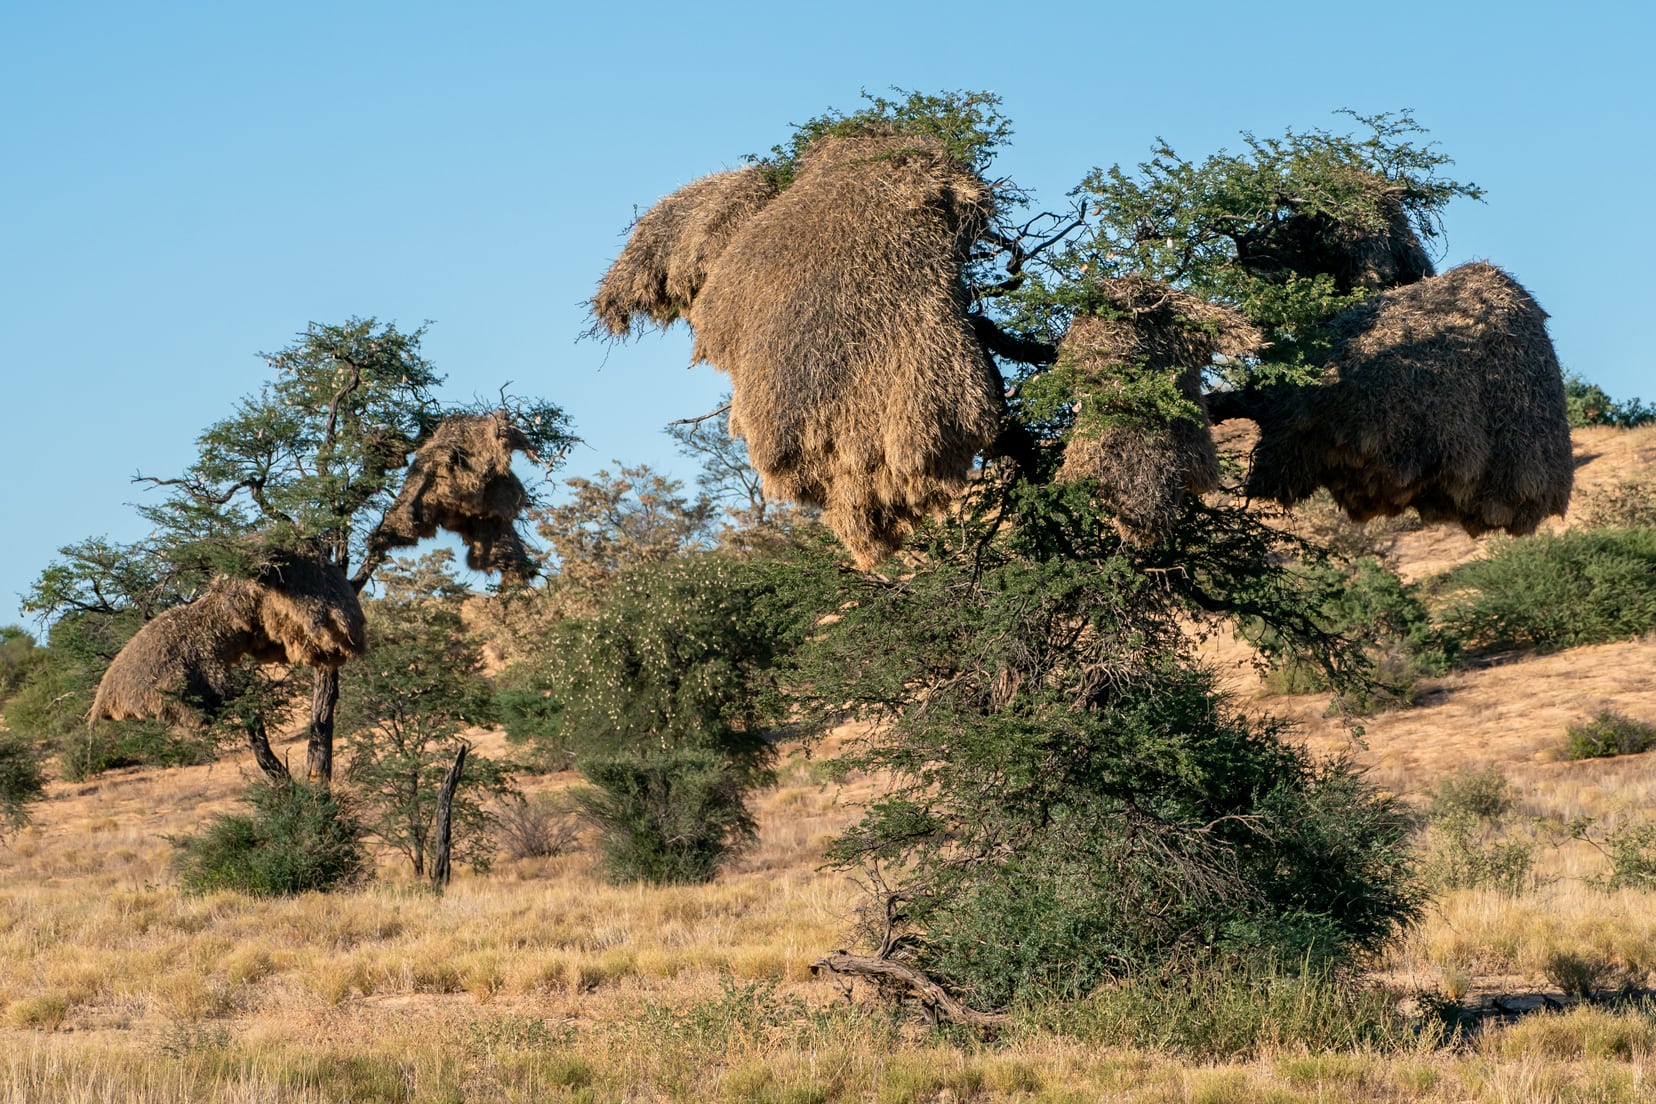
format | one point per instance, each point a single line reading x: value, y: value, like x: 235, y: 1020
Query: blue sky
x: 186, y: 185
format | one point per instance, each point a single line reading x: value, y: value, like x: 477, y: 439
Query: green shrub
x: 1588, y: 404
x: 671, y: 818
x: 295, y: 839
x: 1632, y: 852
x: 1482, y: 794
x: 21, y: 781
x: 1609, y: 733
x: 1469, y: 846
x: 665, y: 691
x: 1370, y: 606
x: 1584, y: 586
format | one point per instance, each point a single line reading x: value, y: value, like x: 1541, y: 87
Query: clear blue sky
x: 186, y: 185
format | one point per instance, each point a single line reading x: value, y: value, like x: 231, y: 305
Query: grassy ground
x: 541, y: 982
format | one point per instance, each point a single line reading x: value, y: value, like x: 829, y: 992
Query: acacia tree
x: 404, y: 709
x: 314, y: 458
x: 1071, y: 798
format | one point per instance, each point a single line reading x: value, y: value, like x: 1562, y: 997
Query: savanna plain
x: 542, y: 981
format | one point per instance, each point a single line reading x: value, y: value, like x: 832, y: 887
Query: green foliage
x: 664, y: 693
x: 1186, y: 222
x: 678, y: 654
x: 614, y: 521
x: 19, y: 658
x: 1588, y: 404
x: 671, y: 816
x: 21, y: 781
x: 1469, y: 845
x: 1552, y: 591
x: 1481, y: 794
x: 1370, y: 606
x: 295, y: 839
x: 403, y: 709
x: 1632, y: 853
x: 1071, y: 800
x: 1609, y: 733
x: 969, y: 124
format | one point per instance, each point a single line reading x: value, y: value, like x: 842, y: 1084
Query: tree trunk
x: 445, y: 828
x: 259, y: 741
x: 319, y: 752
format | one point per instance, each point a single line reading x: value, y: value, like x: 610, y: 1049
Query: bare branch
x: 885, y: 973
x: 700, y: 418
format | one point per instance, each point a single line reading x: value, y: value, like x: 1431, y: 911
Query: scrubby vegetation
x: 294, y: 839
x: 1006, y: 759
x: 1552, y: 591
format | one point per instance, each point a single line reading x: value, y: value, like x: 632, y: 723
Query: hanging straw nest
x: 839, y: 312
x: 1386, y: 253
x: 461, y: 480
x: 671, y: 248
x: 178, y: 668
x: 1445, y: 395
x: 1138, y: 364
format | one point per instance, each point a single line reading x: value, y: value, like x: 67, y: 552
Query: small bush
x: 534, y: 827
x: 1469, y: 847
x: 1578, y: 975
x: 20, y: 782
x: 1483, y: 794
x: 296, y: 839
x: 1370, y: 606
x: 668, y: 818
x: 1546, y: 592
x: 1632, y: 853
x: 1630, y: 505
x: 1588, y: 404
x: 1609, y: 733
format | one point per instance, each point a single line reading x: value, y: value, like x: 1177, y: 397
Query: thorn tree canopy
x: 310, y: 466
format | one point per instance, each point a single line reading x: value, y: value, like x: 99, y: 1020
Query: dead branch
x: 888, y: 974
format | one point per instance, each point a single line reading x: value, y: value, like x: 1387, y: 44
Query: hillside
x: 540, y: 981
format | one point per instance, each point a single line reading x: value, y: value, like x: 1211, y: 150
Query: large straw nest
x: 461, y: 480
x: 1143, y: 458
x: 839, y: 312
x: 1384, y: 253
x: 178, y: 668
x: 1445, y: 395
x: 673, y: 245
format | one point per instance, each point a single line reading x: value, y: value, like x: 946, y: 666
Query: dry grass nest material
x: 179, y: 667
x: 1384, y: 255
x: 667, y: 256
x: 839, y: 312
x: 1444, y: 395
x: 1143, y: 458
x: 461, y: 480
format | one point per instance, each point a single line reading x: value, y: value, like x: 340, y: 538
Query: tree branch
x: 888, y: 974
x: 1003, y: 344
x: 700, y: 418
